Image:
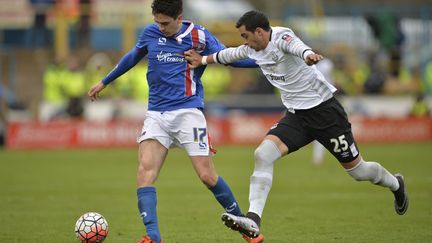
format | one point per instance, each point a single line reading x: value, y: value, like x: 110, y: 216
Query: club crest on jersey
x: 199, y: 47
x: 286, y: 37
x: 274, y: 56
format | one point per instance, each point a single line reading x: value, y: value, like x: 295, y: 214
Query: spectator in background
x: 420, y: 107
x: 215, y: 80
x: 374, y: 83
x: 64, y: 87
x: 133, y: 84
x: 84, y: 23
x: 54, y: 98
x: 387, y: 31
x: 39, y: 35
x: 73, y: 83
x: 428, y: 78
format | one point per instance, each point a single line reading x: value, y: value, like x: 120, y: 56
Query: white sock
x: 317, y: 153
x: 375, y: 173
x: 261, y: 180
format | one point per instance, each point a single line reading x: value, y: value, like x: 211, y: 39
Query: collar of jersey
x: 180, y: 35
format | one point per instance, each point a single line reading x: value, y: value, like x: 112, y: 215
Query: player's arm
x: 290, y: 43
x: 226, y: 56
x: 213, y: 45
x: 125, y: 64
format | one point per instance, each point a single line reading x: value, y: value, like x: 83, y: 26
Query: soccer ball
x: 91, y: 228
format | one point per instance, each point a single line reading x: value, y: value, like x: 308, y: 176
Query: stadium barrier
x: 243, y: 129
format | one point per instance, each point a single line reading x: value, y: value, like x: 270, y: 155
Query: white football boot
x: 241, y: 224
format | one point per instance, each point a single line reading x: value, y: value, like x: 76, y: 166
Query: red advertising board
x: 68, y: 134
x: 234, y: 129
x: 392, y: 130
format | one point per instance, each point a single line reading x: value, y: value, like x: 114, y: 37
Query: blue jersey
x: 172, y: 83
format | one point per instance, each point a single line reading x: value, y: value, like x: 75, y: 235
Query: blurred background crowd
x: 52, y: 51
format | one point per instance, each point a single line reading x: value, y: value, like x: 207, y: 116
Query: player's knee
x: 266, y: 154
x: 208, y: 179
x: 259, y: 154
x: 365, y: 171
x: 146, y: 176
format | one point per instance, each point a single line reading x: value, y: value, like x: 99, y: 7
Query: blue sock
x: 225, y: 197
x: 147, y: 208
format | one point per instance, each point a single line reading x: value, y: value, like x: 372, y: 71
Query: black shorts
x: 328, y: 123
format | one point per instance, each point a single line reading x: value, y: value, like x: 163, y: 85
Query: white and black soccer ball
x: 91, y: 227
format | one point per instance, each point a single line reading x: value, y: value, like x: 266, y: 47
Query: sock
x: 375, y: 173
x: 318, y: 152
x: 262, y: 178
x: 259, y: 188
x: 225, y: 197
x: 147, y: 208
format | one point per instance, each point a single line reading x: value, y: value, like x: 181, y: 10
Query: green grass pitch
x: 44, y: 192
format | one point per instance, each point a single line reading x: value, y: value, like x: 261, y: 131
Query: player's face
x: 167, y: 25
x: 252, y: 39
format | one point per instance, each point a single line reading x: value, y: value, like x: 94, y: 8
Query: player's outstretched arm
x: 234, y: 57
x: 94, y: 91
x: 127, y: 62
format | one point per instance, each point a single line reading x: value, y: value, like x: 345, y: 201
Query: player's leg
x: 153, y: 149
x: 339, y: 140
x: 288, y: 133
x: 362, y: 170
x: 270, y: 149
x: 205, y: 170
x: 317, y: 153
x: 193, y: 137
x: 151, y: 157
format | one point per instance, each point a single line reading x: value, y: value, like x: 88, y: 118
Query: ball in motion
x: 91, y: 228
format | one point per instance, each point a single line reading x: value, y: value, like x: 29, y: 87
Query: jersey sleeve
x: 288, y: 42
x: 127, y: 62
x: 130, y: 59
x: 214, y: 46
x: 230, y: 55
x: 144, y: 38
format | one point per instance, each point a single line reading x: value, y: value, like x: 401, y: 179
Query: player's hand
x: 312, y: 59
x: 193, y: 58
x: 94, y: 91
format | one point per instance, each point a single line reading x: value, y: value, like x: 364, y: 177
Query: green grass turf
x: 44, y: 192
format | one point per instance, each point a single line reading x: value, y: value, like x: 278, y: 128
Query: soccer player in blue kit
x: 175, y: 106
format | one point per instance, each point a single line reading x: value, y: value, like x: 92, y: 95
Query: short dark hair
x: 172, y: 8
x: 252, y: 20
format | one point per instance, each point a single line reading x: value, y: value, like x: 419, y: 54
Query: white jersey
x: 282, y: 62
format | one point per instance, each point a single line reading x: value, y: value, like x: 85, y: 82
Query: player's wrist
x: 307, y: 53
x: 204, y: 60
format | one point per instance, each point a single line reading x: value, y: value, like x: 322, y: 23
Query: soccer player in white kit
x: 312, y: 114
